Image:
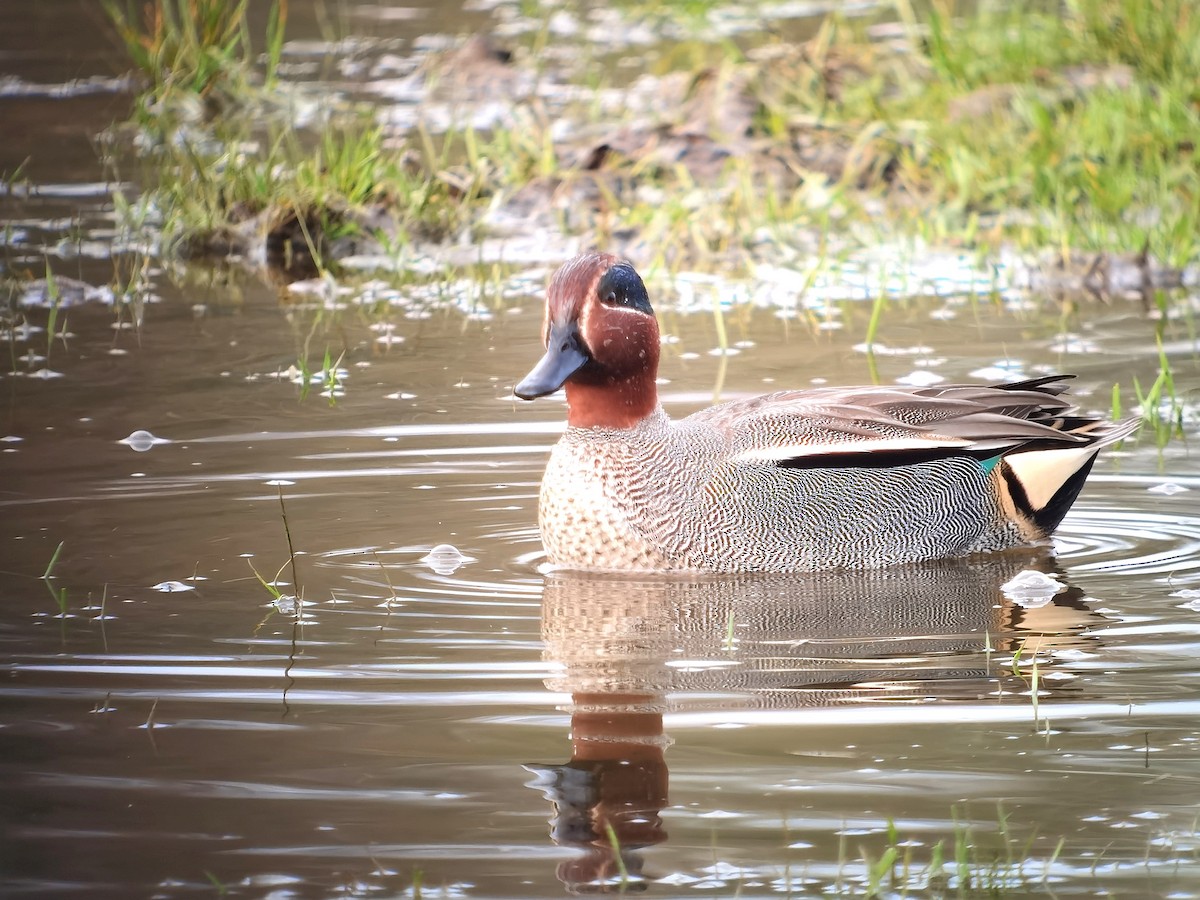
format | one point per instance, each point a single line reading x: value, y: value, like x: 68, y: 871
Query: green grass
x: 1022, y: 122
x: 329, y: 376
x: 197, y: 48
x: 1030, y: 124
x: 1161, y: 406
x: 306, y: 198
x: 55, y: 298
x: 997, y: 123
x: 49, y: 573
x: 976, y: 864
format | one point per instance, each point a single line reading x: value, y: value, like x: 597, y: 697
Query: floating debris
x: 171, y: 587
x: 1168, y: 489
x: 1191, y: 599
x: 286, y: 604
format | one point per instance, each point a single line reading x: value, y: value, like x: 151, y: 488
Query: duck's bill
x: 564, y: 356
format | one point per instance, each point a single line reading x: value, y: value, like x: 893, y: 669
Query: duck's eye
x: 621, y: 286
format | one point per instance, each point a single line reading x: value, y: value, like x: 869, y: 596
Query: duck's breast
x: 604, y: 503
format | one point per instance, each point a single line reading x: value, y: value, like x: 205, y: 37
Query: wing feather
x: 856, y: 424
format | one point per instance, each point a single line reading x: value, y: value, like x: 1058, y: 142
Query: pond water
x: 457, y: 723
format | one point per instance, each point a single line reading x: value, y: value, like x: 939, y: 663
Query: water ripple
x: 1130, y: 541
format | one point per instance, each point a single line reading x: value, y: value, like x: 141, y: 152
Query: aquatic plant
x: 49, y: 573
x: 975, y: 864
x: 331, y: 375
x: 1160, y: 405
x: 198, y: 48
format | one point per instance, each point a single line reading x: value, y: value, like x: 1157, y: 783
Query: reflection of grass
x: 615, y: 843
x: 221, y: 888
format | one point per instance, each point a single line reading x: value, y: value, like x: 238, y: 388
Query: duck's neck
x: 611, y: 404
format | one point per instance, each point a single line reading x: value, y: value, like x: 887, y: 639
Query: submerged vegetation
x: 1060, y: 128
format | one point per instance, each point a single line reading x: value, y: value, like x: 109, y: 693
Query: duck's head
x: 601, y: 344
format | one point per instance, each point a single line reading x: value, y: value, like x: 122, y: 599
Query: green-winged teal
x: 790, y: 481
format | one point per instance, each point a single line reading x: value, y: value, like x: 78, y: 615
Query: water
x: 400, y: 723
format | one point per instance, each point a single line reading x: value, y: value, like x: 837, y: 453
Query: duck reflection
x: 622, y: 645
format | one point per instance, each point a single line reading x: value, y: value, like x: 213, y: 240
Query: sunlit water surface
x: 188, y: 708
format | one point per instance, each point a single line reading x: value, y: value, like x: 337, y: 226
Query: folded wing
x: 888, y: 426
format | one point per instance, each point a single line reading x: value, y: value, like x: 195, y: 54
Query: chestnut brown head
x: 601, y: 342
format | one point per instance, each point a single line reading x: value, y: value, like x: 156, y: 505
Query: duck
x: 792, y: 481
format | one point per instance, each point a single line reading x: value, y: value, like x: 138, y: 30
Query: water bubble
x: 1032, y: 589
x: 445, y: 559
x: 141, y: 441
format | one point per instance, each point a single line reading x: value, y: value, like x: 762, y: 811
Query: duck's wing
x: 880, y: 426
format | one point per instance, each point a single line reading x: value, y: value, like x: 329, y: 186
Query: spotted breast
x: 826, y: 478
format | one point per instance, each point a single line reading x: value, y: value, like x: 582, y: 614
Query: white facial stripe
x: 626, y: 309
x: 585, y: 308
